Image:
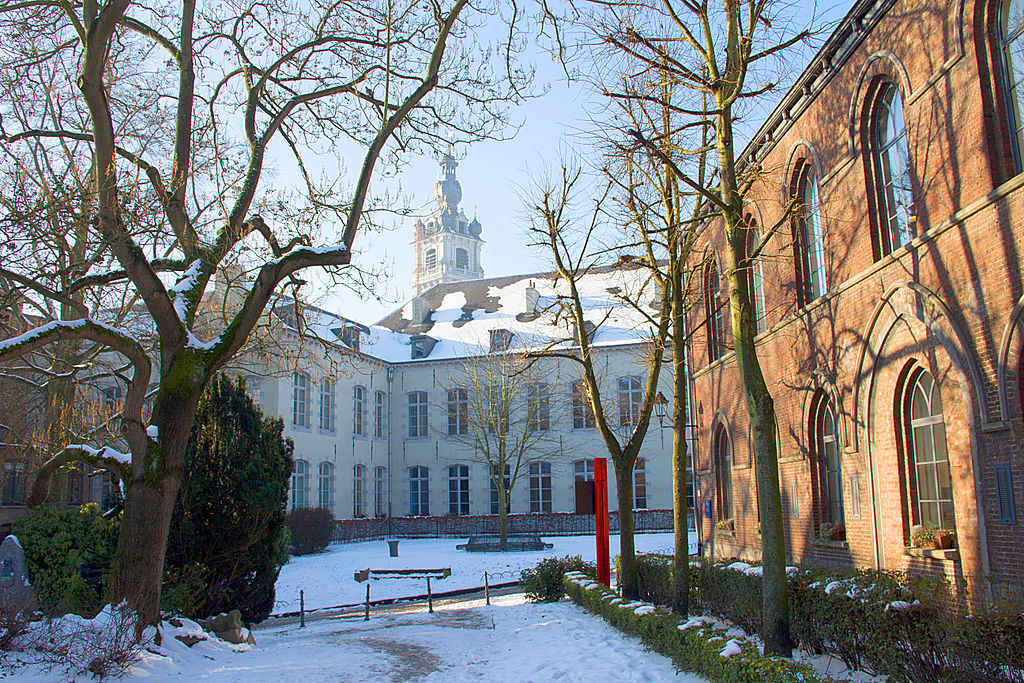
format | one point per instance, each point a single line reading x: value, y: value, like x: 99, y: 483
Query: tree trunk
x: 629, y: 584
x: 775, y: 623
x: 502, y: 515
x: 681, y: 560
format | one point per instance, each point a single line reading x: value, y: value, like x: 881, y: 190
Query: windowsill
x: 833, y: 545
x: 731, y: 533
x: 327, y: 432
x: 943, y: 555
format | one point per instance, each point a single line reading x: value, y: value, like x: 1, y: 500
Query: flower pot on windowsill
x: 726, y: 525
x: 932, y: 539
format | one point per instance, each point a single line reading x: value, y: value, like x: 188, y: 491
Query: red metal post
x: 604, y: 574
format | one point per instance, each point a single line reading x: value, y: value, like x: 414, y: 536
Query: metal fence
x: 547, y: 524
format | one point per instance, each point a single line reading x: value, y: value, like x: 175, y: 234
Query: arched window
x: 458, y: 490
x: 359, y: 490
x: 300, y: 484
x: 892, y: 172
x: 639, y: 485
x: 723, y: 466
x: 929, y: 479
x: 808, y: 235
x: 461, y: 258
x: 755, y: 276
x: 378, y: 415
x: 713, y: 310
x: 419, y: 491
x: 827, y: 473
x: 380, y: 503
x: 1013, y: 54
x: 325, y: 486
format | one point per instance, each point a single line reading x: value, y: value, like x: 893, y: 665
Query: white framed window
x: 325, y: 486
x: 892, y: 170
x: 417, y: 414
x: 930, y: 477
x: 582, y: 412
x: 379, y: 415
x: 458, y: 412
x: 300, y: 484
x: 359, y: 490
x: 630, y: 397
x: 583, y: 470
x: 540, y: 487
x: 639, y: 485
x: 380, y: 503
x: 328, y: 406
x: 755, y: 277
x: 359, y: 410
x: 1012, y: 26
x: 538, y: 407
x: 419, y: 491
x: 300, y: 399
x: 811, y: 237
x: 495, y: 503
x: 458, y: 490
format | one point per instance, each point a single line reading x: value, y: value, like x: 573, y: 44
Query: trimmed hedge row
x: 700, y: 648
x: 908, y: 628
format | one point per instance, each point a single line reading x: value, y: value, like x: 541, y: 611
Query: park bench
x: 369, y: 575
x: 492, y: 544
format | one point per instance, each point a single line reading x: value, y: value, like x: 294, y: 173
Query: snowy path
x: 326, y: 578
x: 509, y: 641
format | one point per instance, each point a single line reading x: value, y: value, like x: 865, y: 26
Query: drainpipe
x: 391, y: 379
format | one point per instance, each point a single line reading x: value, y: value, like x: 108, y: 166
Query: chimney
x: 420, y: 310
x: 532, y: 298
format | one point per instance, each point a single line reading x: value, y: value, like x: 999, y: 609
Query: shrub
x: 227, y: 541
x: 544, y: 582
x: 311, y: 529
x: 57, y: 544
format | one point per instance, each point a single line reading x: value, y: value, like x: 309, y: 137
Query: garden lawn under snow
x: 327, y: 578
x: 507, y: 641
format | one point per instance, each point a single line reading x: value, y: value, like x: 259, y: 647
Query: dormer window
x: 421, y: 346
x: 500, y: 340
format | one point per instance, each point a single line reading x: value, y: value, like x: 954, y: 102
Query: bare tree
x: 194, y: 104
x: 499, y: 405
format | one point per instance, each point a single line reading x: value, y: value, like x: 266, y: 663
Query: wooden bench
x: 369, y: 575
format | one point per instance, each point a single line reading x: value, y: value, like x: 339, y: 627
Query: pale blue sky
x: 494, y: 175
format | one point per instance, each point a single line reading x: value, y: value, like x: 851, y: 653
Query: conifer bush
x: 544, y: 582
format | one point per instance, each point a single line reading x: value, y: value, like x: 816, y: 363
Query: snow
x: 104, y: 452
x: 731, y: 648
x: 152, y: 431
x: 54, y: 324
x: 327, y: 578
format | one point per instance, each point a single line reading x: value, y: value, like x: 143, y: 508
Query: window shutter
x: 1004, y: 494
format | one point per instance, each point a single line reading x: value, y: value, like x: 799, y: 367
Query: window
x: 892, y: 172
x: 418, y: 415
x: 808, y: 238
x: 359, y: 411
x: 540, y: 487
x: 582, y: 412
x: 639, y: 485
x: 497, y: 405
x: 713, y: 310
x: 723, y: 464
x: 755, y: 277
x: 458, y: 412
x: 494, y: 489
x: 359, y: 490
x: 538, y: 407
x: 458, y: 490
x: 1013, y: 53
x: 431, y: 259
x: 583, y: 470
x: 253, y: 387
x: 378, y: 415
x: 931, y: 485
x: 300, y: 399
x: 325, y: 486
x: 14, y: 484
x: 461, y: 258
x: 380, y: 505
x: 300, y: 484
x: 327, y: 406
x: 419, y: 492
x: 827, y: 471
x: 630, y: 396
x: 76, y: 488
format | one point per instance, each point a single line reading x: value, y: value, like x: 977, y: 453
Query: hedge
x: 908, y: 628
x: 697, y: 647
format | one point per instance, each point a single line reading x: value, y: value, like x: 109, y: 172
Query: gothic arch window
x: 461, y: 258
x: 929, y: 481
x: 826, y: 464
x: 808, y: 235
x: 755, y: 276
x: 892, y: 173
x: 722, y: 454
x: 715, y: 316
x: 1012, y: 37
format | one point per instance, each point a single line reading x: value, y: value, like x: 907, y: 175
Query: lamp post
x: 661, y: 408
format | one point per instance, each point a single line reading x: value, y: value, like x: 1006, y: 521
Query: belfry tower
x: 447, y: 244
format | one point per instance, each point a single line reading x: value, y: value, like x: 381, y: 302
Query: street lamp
x: 660, y: 408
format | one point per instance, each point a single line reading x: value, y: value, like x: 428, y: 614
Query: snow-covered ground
x: 508, y: 641
x: 327, y: 578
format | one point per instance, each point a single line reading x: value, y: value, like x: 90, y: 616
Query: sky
x: 496, y: 179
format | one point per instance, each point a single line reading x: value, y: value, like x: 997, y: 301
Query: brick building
x: 890, y: 309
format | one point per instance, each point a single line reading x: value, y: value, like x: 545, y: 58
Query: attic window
x: 500, y: 339
x: 421, y: 346
x: 588, y: 327
x: 350, y: 338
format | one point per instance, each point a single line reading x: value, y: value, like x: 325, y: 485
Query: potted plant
x: 932, y: 537
x: 829, y: 532
x: 724, y: 525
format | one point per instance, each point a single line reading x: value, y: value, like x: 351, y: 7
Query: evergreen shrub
x: 57, y: 544
x: 311, y: 529
x: 544, y: 582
